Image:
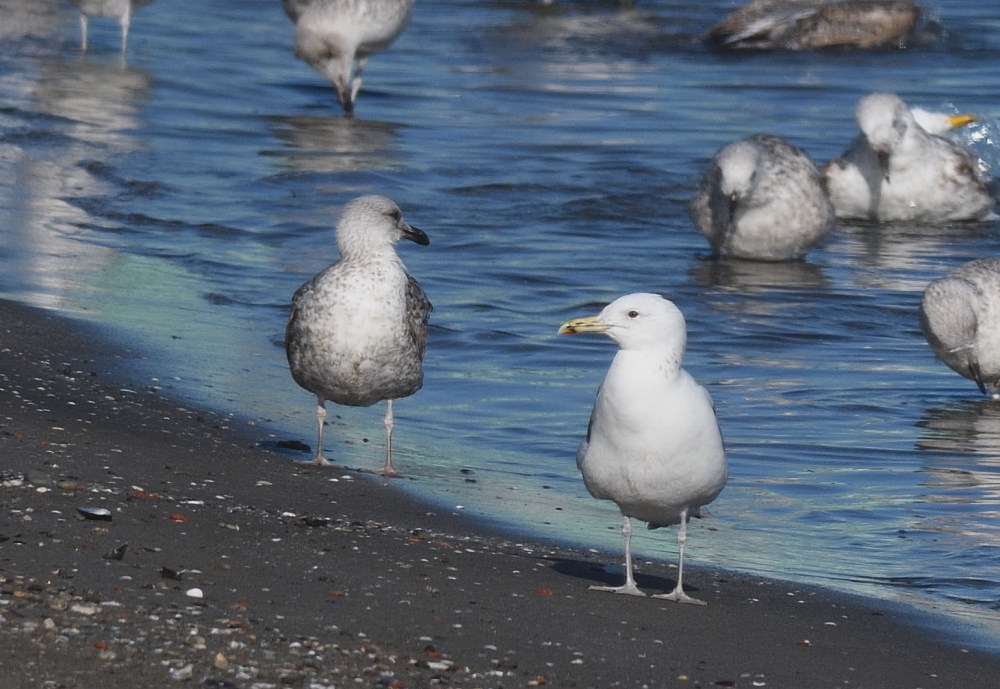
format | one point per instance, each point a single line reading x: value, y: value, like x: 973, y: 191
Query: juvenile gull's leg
x: 388, y: 469
x: 320, y: 459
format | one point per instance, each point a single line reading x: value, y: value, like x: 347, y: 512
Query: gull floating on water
x: 336, y: 37
x: 761, y: 199
x: 817, y: 24
x: 357, y: 330
x: 653, y: 445
x: 897, y: 171
x: 960, y: 316
x: 122, y: 10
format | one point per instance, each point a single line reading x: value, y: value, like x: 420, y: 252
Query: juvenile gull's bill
x: 357, y: 331
x: 653, y: 445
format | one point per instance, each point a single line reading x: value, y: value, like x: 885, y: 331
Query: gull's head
x: 884, y: 119
x: 938, y: 123
x: 373, y: 224
x: 639, y: 321
x: 738, y: 164
x: 332, y: 55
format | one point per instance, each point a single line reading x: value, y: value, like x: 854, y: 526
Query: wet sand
x: 312, y: 577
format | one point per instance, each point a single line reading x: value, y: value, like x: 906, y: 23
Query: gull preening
x: 122, y: 10
x: 761, y: 199
x: 897, y: 171
x: 960, y: 317
x: 653, y: 445
x: 357, y: 331
x: 817, y: 24
x: 336, y: 37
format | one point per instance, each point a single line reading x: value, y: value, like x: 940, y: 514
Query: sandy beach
x: 146, y: 543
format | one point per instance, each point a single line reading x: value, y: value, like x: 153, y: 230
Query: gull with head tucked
x: 357, y: 331
x: 336, y: 37
x: 960, y: 317
x: 653, y: 445
x: 897, y: 171
x: 760, y: 199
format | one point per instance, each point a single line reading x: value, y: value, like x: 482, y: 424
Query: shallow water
x: 549, y: 152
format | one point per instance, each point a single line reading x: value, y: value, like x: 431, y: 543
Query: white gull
x: 357, y: 331
x: 653, y: 445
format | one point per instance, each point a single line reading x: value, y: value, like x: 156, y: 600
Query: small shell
x: 195, y: 593
x: 98, y: 513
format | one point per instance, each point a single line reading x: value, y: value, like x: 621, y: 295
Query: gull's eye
x: 633, y: 314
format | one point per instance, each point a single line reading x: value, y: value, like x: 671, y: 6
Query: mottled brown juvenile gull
x: 817, y: 24
x: 653, y: 445
x: 357, y: 330
x: 122, y: 10
x: 336, y: 37
x: 897, y: 171
x: 960, y: 316
x: 760, y: 198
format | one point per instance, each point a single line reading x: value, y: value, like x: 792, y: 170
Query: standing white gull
x: 897, y: 171
x: 761, y: 199
x: 653, y: 445
x: 960, y: 316
x: 122, y: 10
x: 336, y: 37
x: 357, y: 331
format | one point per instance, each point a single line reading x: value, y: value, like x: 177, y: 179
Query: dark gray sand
x: 312, y: 578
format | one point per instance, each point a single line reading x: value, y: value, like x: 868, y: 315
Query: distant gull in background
x: 761, y: 199
x: 653, y: 445
x: 897, y: 171
x: 122, y: 10
x: 960, y: 316
x: 336, y: 37
x: 939, y: 123
x: 357, y: 330
x: 817, y: 24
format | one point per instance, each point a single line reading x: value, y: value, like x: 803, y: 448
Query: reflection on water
x: 330, y: 144
x: 92, y: 107
x: 760, y: 276
x: 972, y: 426
x: 99, y: 101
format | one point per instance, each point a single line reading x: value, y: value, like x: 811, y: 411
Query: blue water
x: 549, y: 152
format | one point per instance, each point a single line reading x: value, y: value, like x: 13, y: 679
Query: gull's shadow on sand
x: 598, y: 574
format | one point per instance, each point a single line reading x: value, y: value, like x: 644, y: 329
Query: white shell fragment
x: 98, y: 513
